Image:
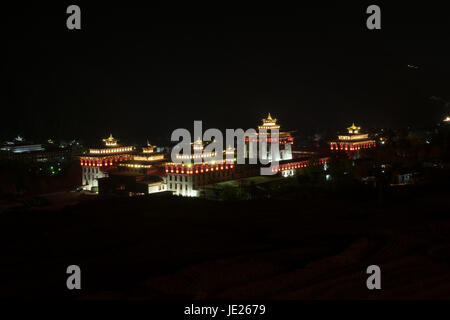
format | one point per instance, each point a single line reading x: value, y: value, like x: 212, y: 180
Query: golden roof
x: 353, y: 127
x: 198, y: 141
x: 269, y: 123
x: 111, y: 138
x: 269, y: 119
x: 111, y: 141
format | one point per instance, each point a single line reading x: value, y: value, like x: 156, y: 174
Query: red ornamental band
x: 273, y: 140
x: 299, y: 165
x: 350, y: 147
x: 86, y: 162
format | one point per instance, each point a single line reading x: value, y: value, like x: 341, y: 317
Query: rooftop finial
x: 353, y: 128
x: 111, y: 141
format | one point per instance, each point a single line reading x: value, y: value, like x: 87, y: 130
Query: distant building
x: 353, y: 142
x: 99, y: 161
x: 24, y: 151
x: 289, y: 168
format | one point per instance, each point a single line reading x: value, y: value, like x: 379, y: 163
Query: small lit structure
x: 446, y: 120
x: 353, y: 142
x: 99, y: 161
x: 288, y: 168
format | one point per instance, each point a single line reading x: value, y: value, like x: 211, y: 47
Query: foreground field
x: 170, y: 248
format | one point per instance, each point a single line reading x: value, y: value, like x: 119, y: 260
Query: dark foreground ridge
x: 158, y: 248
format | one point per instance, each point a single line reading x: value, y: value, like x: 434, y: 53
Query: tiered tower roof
x: 269, y: 123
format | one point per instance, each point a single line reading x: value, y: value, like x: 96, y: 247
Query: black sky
x: 140, y: 70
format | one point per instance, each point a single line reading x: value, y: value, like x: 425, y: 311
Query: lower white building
x: 90, y: 176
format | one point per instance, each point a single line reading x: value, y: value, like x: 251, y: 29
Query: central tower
x: 266, y: 133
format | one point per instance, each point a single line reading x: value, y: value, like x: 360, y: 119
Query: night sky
x: 140, y: 70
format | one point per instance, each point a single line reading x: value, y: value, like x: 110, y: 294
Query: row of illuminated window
x: 178, y: 186
x: 109, y: 151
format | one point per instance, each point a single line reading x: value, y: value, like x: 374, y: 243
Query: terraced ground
x: 186, y: 248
